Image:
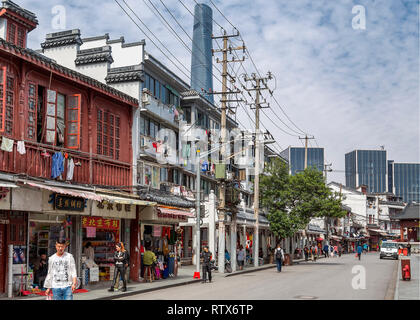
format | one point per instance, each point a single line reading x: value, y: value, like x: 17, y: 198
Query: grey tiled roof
x: 10, y: 5
x: 63, y: 38
x: 166, y: 198
x: 124, y: 74
x: 45, y: 62
x: 410, y: 212
x: 94, y: 55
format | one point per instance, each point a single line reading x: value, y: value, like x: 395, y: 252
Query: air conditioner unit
x: 145, y: 99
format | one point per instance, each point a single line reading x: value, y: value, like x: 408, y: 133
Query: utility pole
x: 327, y: 168
x: 257, y: 87
x: 222, y: 201
x: 306, y: 148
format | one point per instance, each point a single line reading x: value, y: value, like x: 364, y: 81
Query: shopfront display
x: 103, y: 234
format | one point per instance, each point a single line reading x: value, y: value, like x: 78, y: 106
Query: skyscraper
x: 296, y: 158
x: 201, y: 60
x: 404, y: 180
x: 367, y: 167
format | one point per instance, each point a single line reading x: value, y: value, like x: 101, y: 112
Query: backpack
x: 279, y: 254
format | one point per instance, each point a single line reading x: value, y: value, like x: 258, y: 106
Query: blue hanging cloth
x: 57, y: 166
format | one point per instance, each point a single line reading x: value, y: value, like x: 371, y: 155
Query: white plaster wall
x: 357, y: 202
x: 64, y: 56
x: 93, y: 44
x: 3, y: 29
x: 126, y: 56
x: 133, y: 88
x: 97, y: 71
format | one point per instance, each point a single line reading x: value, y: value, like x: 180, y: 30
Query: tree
x: 292, y: 201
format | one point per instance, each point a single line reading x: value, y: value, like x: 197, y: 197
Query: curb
x: 136, y: 292
x: 249, y: 271
x: 396, y: 294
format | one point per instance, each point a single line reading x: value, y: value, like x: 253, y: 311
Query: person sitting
x: 227, y: 255
x: 149, y: 259
x: 41, y: 270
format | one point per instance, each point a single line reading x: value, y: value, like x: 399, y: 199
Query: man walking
x: 62, y: 275
x: 359, y: 251
x: 326, y: 247
x: 279, y: 255
x: 205, y: 260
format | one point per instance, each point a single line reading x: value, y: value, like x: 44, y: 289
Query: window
x: 157, y: 89
x: 61, y: 114
x: 32, y: 111
x: 108, y: 134
x: 163, y: 174
x: 21, y: 37
x: 187, y: 114
x: 7, y: 98
x: 16, y: 34
x: 73, y: 121
x: 11, y: 36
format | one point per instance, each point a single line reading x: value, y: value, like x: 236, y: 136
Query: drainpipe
x: 10, y: 273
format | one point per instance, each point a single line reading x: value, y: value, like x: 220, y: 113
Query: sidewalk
x: 409, y: 290
x: 185, y: 277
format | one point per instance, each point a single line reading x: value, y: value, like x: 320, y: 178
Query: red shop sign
x: 100, y: 223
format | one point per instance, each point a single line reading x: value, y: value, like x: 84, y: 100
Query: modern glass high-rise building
x: 296, y: 158
x: 367, y: 167
x: 201, y: 60
x: 404, y: 180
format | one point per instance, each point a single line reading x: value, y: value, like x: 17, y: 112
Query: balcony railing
x: 166, y: 112
x: 92, y: 170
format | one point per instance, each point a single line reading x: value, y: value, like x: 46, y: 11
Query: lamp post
x: 197, y: 210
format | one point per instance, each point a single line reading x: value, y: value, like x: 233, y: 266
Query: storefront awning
x: 127, y: 200
x: 176, y: 212
x: 4, y: 184
x: 71, y: 192
x: 338, y: 238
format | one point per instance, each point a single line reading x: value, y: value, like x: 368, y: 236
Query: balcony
x: 168, y: 114
x: 95, y: 170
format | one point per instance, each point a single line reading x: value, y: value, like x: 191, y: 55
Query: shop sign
x: 4, y: 221
x: 101, y: 223
x: 62, y: 202
x: 110, y: 206
x: 171, y: 216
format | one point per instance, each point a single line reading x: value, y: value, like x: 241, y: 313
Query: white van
x: 389, y: 250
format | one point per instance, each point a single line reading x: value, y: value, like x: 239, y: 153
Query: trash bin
x: 406, y: 269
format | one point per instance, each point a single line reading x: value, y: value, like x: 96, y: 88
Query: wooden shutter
x: 32, y: 111
x: 51, y: 117
x: 73, y: 121
x: 2, y: 98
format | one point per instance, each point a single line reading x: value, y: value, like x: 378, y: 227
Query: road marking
x: 306, y: 297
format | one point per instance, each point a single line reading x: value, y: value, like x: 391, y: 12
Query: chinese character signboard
x: 62, y: 202
x: 100, y: 223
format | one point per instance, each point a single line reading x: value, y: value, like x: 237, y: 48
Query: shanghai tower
x: 201, y: 62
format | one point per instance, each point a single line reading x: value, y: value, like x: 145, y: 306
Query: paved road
x: 326, y: 279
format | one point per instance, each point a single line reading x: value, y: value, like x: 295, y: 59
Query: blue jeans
x: 62, y: 293
x: 279, y: 263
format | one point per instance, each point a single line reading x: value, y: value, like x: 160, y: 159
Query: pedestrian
x: 61, y: 278
x: 205, y: 260
x: 326, y: 250
x: 279, y: 255
x: 306, y: 252
x: 408, y: 249
x: 314, y: 253
x: 41, y: 270
x: 121, y: 263
x: 365, y: 248
x: 336, y: 251
x: 340, y: 250
x: 359, y: 251
x: 149, y: 259
x: 241, y: 257
x: 332, y: 251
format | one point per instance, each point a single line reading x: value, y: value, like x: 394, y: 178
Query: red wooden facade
x: 54, y: 109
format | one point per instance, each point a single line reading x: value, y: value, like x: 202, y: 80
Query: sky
x: 347, y: 72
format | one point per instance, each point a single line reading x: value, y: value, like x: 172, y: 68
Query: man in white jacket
x: 62, y: 275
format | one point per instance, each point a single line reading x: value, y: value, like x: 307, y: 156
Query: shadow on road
x: 318, y: 264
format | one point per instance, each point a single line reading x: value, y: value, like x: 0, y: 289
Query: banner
x: 100, y: 223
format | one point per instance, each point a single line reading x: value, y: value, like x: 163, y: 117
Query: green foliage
x: 293, y: 200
